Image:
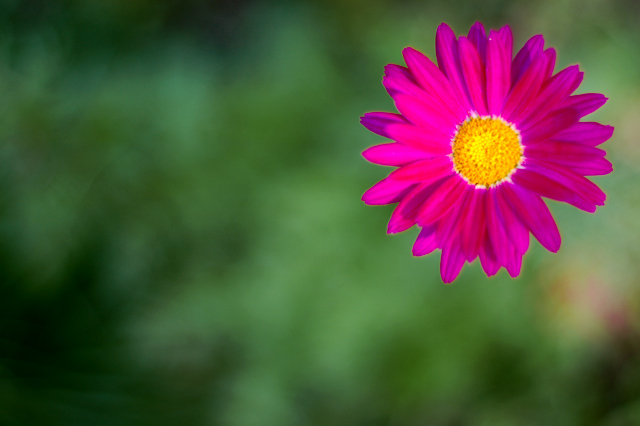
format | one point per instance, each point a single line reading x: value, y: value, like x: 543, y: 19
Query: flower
x: 478, y: 140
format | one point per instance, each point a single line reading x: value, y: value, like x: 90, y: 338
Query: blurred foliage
x: 182, y: 241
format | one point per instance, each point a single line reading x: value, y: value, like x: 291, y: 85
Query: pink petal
x: 531, y: 49
x: 563, y: 152
x: 449, y: 62
x: 487, y: 259
x: 427, y: 139
x: 474, y: 75
x: 377, y: 122
x: 550, y: 55
x: 586, y: 132
x: 527, y: 87
x: 451, y: 263
x: 534, y: 213
x: 514, y: 263
x: 580, y: 185
x: 433, y: 81
x: 585, y: 103
x: 429, y: 115
x: 474, y: 227
x: 507, y: 41
x: 513, y: 226
x: 478, y: 37
x: 550, y: 188
x: 387, y: 191
x: 500, y: 222
x: 600, y: 166
x: 498, y: 241
x: 584, y: 160
x: 554, y: 90
x: 426, y: 241
x: 428, y: 170
x: 450, y: 225
x: 552, y: 124
x: 498, y: 72
x: 399, y: 72
x: 442, y: 200
x: 399, y: 79
x: 404, y: 215
x: 393, y: 154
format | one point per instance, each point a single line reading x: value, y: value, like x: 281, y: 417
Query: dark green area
x: 182, y: 240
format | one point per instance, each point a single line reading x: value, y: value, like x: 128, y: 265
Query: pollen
x: 486, y: 150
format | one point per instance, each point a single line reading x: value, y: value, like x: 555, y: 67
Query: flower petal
x: 478, y: 37
x: 601, y: 166
x: 551, y: 55
x: 525, y: 90
x: 487, y: 258
x: 447, y: 195
x: 535, y: 214
x: 563, y: 152
x: 474, y: 75
x: 586, y: 132
x: 514, y: 228
x: 426, y: 241
x: 585, y: 160
x: 399, y: 79
x: 553, y: 91
x: 404, y: 215
x: 426, y: 114
x: 451, y: 263
x: 525, y: 56
x: 433, y: 81
x: 550, y: 188
x: 498, y: 241
x: 514, y: 263
x: 449, y: 62
x: 426, y: 139
x: 428, y: 170
x: 474, y: 227
x: 450, y: 225
x: 585, y: 103
x: 498, y: 72
x: 387, y: 191
x: 507, y: 39
x: 377, y: 122
x: 580, y: 185
x: 393, y: 154
x: 552, y: 124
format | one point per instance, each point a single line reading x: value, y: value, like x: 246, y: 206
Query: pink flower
x: 479, y: 139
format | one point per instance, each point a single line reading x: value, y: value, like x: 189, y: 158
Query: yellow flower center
x: 486, y: 150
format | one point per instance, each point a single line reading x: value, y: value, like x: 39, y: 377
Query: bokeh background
x: 182, y: 240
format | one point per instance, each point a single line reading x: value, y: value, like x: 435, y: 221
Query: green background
x: 182, y: 240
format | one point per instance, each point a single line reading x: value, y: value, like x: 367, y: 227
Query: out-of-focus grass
x: 182, y: 240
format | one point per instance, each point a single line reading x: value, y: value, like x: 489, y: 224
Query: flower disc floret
x: 486, y: 150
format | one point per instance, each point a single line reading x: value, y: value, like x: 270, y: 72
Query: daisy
x: 480, y: 138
